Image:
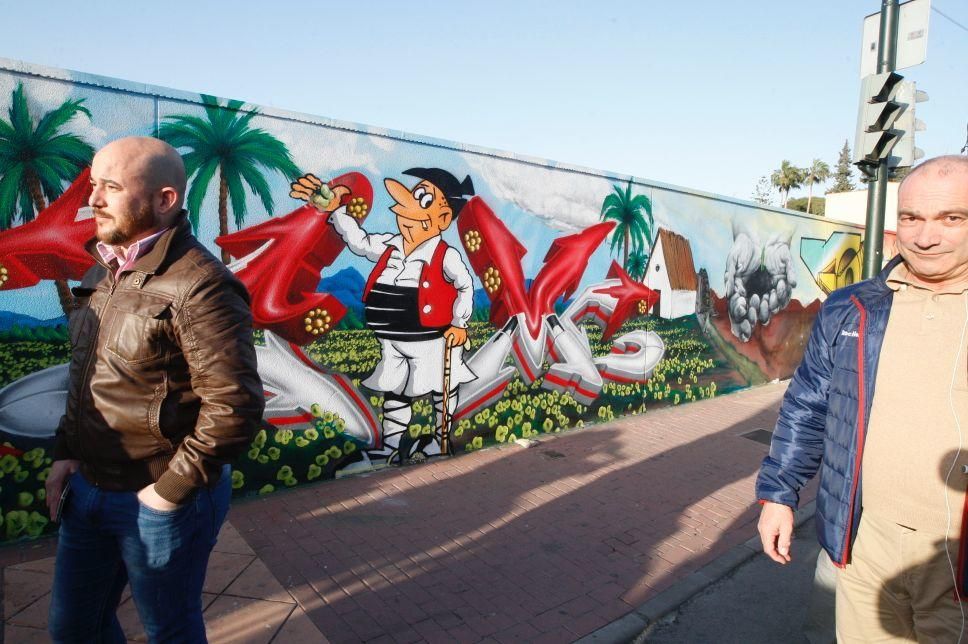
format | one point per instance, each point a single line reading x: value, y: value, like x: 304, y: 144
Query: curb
x: 632, y: 625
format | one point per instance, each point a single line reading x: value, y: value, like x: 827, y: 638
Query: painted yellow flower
x: 472, y: 241
x: 357, y: 207
x: 317, y: 321
x: 492, y: 279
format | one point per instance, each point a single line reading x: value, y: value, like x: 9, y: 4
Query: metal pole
x: 877, y: 186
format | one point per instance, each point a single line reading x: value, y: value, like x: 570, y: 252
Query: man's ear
x: 444, y: 219
x: 167, y: 198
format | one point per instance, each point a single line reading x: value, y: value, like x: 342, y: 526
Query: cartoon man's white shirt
x: 404, y: 270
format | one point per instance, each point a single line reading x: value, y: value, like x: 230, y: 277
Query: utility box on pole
x: 886, y: 122
x: 905, y: 152
x: 876, y: 114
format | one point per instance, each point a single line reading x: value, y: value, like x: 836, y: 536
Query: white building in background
x: 851, y: 207
x: 672, y: 273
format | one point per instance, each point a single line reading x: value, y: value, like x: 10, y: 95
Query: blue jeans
x: 108, y: 539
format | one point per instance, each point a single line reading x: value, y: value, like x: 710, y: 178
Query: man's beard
x: 126, y: 228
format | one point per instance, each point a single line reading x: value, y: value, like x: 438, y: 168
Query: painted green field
x: 691, y: 370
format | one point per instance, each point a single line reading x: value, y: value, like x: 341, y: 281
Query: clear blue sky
x: 709, y: 95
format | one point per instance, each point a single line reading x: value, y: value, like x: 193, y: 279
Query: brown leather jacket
x: 163, y: 379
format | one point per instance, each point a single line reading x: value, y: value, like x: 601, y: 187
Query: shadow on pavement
x: 554, y: 541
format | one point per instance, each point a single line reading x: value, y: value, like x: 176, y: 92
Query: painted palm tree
x: 788, y: 177
x: 224, y: 141
x: 638, y: 262
x: 818, y: 172
x: 633, y: 218
x: 36, y: 162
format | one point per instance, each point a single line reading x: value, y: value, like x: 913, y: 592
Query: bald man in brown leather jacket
x: 163, y: 393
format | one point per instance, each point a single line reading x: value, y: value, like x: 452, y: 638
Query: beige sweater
x: 920, y: 397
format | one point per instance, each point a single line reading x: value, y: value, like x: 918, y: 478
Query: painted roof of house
x: 678, y: 260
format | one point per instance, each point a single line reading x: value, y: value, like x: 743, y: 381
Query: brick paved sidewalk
x: 512, y: 544
x: 506, y: 544
x: 243, y: 601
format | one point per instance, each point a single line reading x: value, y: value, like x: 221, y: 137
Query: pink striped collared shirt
x: 127, y: 256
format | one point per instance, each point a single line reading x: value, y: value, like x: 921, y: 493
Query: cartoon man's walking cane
x: 446, y: 419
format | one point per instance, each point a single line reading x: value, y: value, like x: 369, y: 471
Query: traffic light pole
x: 877, y: 186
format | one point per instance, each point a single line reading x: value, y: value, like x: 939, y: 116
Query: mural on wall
x: 415, y: 299
x: 224, y: 144
x: 38, y: 159
x: 760, y: 279
x: 834, y: 262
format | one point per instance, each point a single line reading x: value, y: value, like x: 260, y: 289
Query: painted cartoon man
x: 418, y: 298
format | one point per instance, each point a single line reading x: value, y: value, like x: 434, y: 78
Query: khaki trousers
x: 899, y: 587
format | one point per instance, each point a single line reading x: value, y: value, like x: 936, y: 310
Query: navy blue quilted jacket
x: 824, y: 415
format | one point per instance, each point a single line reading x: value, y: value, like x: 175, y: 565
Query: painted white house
x: 672, y: 272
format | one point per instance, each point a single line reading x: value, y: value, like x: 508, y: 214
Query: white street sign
x: 912, y: 37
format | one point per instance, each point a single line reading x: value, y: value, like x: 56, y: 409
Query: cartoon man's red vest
x: 435, y: 295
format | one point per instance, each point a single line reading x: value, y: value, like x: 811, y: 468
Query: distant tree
x: 817, y: 207
x: 632, y: 215
x: 224, y: 141
x: 787, y: 177
x: 763, y: 193
x: 36, y: 162
x: 844, y: 171
x: 818, y: 172
x: 898, y: 174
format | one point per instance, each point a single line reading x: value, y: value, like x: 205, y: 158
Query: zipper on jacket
x: 87, y: 369
x: 861, y: 426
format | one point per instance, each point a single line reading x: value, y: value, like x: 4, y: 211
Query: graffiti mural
x: 760, y: 279
x: 411, y: 298
x: 834, y: 262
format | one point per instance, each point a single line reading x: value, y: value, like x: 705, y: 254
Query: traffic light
x: 905, y: 153
x: 876, y: 115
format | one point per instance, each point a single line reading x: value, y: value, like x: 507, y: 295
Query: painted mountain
x: 9, y: 319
